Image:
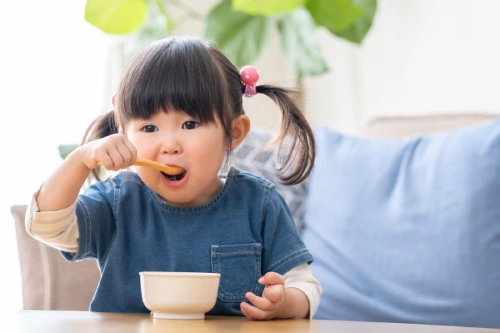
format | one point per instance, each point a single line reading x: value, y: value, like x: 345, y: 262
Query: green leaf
x: 299, y: 40
x: 65, y: 150
x: 266, y: 7
x: 116, y: 16
x: 357, y: 31
x: 335, y: 15
x: 239, y: 36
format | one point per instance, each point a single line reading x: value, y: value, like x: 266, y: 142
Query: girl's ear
x: 241, y: 127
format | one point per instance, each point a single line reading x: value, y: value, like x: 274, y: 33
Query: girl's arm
x: 62, y: 188
x: 295, y: 295
x: 58, y: 229
x: 301, y: 278
x: 114, y: 152
x: 296, y: 305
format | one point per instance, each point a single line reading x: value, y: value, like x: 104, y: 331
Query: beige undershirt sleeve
x: 59, y: 229
x: 301, y: 278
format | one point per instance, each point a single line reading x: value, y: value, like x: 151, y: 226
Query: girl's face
x: 176, y: 139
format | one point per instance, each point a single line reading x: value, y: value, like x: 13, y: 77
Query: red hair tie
x: 249, y: 77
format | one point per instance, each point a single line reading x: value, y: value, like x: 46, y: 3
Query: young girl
x: 179, y: 103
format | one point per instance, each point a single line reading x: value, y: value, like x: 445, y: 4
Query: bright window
x: 53, y: 68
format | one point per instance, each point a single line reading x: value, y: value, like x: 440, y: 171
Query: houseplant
x: 243, y: 28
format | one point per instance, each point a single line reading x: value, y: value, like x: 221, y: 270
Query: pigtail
x: 101, y: 127
x: 295, y: 137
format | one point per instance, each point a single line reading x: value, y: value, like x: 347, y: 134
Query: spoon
x: 158, y: 166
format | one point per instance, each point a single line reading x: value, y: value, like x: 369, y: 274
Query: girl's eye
x: 149, y: 128
x: 191, y: 124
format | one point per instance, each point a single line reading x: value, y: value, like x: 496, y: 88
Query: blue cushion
x: 407, y: 230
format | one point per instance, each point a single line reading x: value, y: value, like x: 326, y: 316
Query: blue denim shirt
x: 244, y: 232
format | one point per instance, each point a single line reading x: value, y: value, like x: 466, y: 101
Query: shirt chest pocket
x: 239, y: 268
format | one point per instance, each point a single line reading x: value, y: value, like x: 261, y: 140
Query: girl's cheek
x: 135, y: 139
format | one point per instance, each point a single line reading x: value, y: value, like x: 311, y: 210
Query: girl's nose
x: 170, y: 145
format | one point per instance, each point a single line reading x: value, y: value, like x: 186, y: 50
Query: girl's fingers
x: 253, y: 312
x: 116, y: 152
x: 105, y: 161
x: 274, y: 295
x: 116, y: 158
x: 272, y: 278
x: 128, y: 152
x: 123, y: 155
x: 266, y: 306
x: 126, y: 156
x: 260, y: 302
x: 132, y: 150
x: 275, y: 285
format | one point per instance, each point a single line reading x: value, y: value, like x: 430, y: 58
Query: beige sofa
x: 49, y: 282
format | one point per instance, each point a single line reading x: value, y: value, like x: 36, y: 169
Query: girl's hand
x: 113, y: 152
x: 272, y: 301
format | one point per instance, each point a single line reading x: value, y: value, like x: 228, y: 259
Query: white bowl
x: 179, y: 295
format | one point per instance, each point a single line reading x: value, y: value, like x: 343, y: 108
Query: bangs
x: 173, y: 75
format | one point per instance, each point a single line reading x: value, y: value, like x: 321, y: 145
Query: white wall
x: 51, y: 86
x: 422, y: 56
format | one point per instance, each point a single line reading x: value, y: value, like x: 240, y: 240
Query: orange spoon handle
x: 158, y: 166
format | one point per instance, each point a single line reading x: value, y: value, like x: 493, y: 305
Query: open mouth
x: 175, y: 177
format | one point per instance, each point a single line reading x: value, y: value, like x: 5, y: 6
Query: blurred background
x: 58, y: 72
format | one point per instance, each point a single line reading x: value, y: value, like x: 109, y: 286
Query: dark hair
x: 186, y: 74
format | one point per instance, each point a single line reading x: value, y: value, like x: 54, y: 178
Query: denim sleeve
x: 96, y: 222
x: 283, y: 248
